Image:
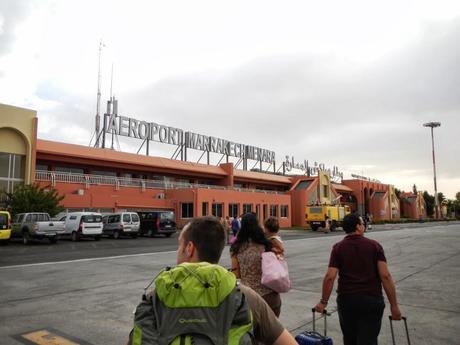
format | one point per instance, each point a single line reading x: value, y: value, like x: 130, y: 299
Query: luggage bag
x: 313, y: 337
x: 405, y: 326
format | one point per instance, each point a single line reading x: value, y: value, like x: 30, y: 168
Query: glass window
x: 303, y: 185
x: 91, y: 218
x: 316, y: 210
x: 17, y: 184
x: 3, y: 185
x: 326, y: 191
x: 217, y: 209
x: 167, y: 215
x: 247, y: 208
x: 284, y: 211
x: 126, y: 218
x: 43, y: 167
x: 233, y: 210
x: 19, y: 166
x: 187, y: 210
x: 204, y: 208
x: 135, y: 217
x: 73, y: 170
x: 4, y: 164
x: 103, y: 173
x: 273, y: 210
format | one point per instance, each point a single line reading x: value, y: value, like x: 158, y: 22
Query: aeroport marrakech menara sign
x: 143, y: 130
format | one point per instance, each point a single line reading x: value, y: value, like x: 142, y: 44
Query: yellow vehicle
x: 315, y: 216
x: 5, y: 226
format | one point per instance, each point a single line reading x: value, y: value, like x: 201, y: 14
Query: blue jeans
x: 360, y: 318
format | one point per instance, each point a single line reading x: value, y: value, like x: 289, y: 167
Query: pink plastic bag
x: 232, y: 239
x: 275, y: 273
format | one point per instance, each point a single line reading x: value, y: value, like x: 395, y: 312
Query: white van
x: 121, y: 223
x: 83, y: 224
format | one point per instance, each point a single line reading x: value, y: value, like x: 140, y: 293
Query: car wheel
x: 116, y: 235
x: 133, y: 235
x: 75, y: 237
x: 53, y: 240
x: 150, y: 233
x: 97, y: 238
x: 26, y: 238
x: 168, y: 235
x: 314, y: 227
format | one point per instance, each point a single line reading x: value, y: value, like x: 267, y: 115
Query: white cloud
x: 344, y: 83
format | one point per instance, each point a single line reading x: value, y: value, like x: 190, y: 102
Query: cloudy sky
x: 345, y: 83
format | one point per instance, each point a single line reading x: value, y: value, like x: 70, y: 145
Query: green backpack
x: 193, y: 304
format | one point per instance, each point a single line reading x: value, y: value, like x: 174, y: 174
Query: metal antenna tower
x: 98, y: 104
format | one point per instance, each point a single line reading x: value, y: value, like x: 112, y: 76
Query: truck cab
x: 315, y: 216
x: 5, y: 226
x: 36, y: 225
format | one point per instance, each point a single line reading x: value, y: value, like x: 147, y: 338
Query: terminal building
x: 105, y: 180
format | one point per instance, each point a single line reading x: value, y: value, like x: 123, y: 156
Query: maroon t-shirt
x: 356, y: 259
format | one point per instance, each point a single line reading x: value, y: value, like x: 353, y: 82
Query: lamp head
x: 432, y: 124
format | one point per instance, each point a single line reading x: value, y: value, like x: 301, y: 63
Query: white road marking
x: 85, y: 260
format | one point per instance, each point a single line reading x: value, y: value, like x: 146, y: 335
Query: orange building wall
x: 301, y: 198
x: 107, y: 197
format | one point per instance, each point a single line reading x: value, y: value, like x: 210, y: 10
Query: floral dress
x: 250, y: 267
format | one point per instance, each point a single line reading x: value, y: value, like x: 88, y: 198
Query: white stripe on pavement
x: 85, y: 260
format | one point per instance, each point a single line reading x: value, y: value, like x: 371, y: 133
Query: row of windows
x: 233, y: 210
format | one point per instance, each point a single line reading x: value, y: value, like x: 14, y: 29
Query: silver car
x: 122, y: 223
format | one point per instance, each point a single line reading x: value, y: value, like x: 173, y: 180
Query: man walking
x: 362, y: 268
x: 202, y: 241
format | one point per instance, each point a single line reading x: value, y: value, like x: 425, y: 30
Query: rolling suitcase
x: 313, y: 337
x: 405, y: 326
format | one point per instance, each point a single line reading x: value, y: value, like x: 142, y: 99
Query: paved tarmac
x: 88, y: 298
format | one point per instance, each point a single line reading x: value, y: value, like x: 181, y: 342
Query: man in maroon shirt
x: 362, y: 268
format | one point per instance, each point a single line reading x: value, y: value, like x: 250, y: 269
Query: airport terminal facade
x: 106, y: 180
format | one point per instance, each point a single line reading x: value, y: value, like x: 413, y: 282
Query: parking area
x: 89, y: 299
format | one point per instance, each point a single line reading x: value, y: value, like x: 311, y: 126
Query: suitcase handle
x: 325, y: 313
x: 405, y: 326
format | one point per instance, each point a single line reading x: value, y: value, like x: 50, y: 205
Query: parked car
x: 122, y: 223
x: 161, y: 222
x: 36, y: 225
x: 5, y: 226
x: 80, y: 225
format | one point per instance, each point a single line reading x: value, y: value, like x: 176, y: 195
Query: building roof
x: 262, y: 177
x: 342, y: 187
x: 80, y: 154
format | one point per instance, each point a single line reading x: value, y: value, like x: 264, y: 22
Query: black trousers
x: 360, y: 318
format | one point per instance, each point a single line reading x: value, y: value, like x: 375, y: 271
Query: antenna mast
x: 98, y: 105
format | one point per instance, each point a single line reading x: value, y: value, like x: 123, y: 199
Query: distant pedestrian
x: 246, y: 255
x: 271, y: 228
x: 235, y: 226
x: 327, y: 228
x: 369, y: 221
x: 362, y: 268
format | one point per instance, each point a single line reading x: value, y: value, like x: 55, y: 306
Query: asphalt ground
x: 84, y: 293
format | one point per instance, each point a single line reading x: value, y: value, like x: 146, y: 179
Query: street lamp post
x: 436, y: 201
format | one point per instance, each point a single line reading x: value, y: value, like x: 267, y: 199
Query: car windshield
x: 92, y: 218
x: 167, y: 216
x: 316, y: 210
x: 3, y: 219
x: 135, y: 217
